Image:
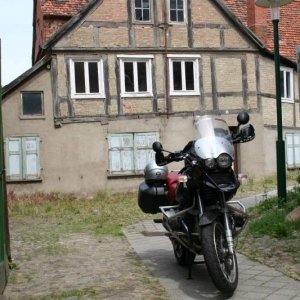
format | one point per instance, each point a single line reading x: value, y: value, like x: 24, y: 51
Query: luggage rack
x: 170, y: 211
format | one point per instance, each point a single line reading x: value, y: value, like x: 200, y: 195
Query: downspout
x: 166, y: 28
x: 298, y: 72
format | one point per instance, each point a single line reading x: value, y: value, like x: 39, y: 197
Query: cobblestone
x: 256, y: 281
x: 84, y: 266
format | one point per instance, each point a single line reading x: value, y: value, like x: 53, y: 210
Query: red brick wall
x: 38, y: 34
x: 51, y: 25
x: 259, y: 20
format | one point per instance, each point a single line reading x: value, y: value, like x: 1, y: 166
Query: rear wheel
x: 222, y: 266
x: 182, y: 253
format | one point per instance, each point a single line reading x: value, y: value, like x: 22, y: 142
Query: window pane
x: 173, y: 17
x: 142, y: 76
x: 282, y: 84
x: 129, y: 81
x: 173, y: 4
x: 32, y: 103
x: 138, y: 3
x: 79, y: 77
x: 138, y: 14
x: 146, y: 4
x: 179, y: 4
x: 146, y: 16
x: 288, y: 84
x: 180, y: 16
x: 93, y: 76
x: 189, y: 75
x: 177, y: 76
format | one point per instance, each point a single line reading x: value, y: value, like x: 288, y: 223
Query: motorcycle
x: 196, y: 203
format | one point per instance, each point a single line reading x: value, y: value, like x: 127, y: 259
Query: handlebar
x: 176, y: 156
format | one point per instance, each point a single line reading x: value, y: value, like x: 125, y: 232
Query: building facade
x: 122, y: 74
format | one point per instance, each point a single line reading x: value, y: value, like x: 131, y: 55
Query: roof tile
x: 289, y: 26
x: 62, y: 7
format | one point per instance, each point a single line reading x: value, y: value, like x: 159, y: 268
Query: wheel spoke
x: 228, y: 268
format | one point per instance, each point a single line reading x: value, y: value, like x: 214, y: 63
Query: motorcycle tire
x: 182, y: 253
x: 222, y: 267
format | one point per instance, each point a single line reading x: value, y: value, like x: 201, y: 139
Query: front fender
x: 208, y: 217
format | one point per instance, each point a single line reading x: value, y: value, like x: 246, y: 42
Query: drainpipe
x: 166, y: 28
x: 298, y: 70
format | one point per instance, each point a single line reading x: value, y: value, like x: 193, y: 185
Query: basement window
x: 87, y: 79
x: 130, y: 152
x: 32, y: 104
x: 286, y: 83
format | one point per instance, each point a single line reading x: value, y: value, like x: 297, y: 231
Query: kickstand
x: 190, y: 265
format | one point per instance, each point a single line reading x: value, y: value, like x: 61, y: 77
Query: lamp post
x: 274, y: 5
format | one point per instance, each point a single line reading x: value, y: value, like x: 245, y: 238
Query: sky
x: 16, y: 38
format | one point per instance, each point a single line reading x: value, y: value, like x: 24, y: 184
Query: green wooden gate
x: 4, y: 239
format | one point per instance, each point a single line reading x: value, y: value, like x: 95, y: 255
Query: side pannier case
x: 153, y: 192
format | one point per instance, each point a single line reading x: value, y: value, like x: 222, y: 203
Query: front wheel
x: 222, y: 267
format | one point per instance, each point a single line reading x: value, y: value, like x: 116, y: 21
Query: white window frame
x: 150, y: 13
x: 133, y: 148
x: 183, y: 59
x: 87, y: 94
x: 288, y: 70
x: 23, y: 154
x: 135, y: 59
x: 184, y: 14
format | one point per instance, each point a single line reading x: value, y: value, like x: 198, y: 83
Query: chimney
x: 257, y: 19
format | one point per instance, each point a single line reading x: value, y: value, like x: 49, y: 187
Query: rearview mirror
x: 243, y: 118
x: 157, y: 147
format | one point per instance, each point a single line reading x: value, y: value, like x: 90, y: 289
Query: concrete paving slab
x: 256, y: 281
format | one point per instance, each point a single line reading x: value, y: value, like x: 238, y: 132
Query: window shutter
x: 289, y: 151
x: 121, y: 153
x: 31, y: 164
x: 297, y: 149
x: 13, y: 158
x: 143, y: 149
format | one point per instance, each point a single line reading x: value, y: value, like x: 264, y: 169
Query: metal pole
x: 3, y: 254
x: 280, y: 148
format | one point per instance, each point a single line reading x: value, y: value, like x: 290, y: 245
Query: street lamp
x: 274, y: 5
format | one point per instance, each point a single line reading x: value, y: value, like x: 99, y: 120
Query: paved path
x: 256, y: 281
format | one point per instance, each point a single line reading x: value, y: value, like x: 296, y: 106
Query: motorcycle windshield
x: 213, y: 137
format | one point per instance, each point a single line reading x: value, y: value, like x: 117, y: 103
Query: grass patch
x: 106, y: 213
x: 252, y: 186
x: 267, y: 219
x: 272, y: 240
x: 88, y: 292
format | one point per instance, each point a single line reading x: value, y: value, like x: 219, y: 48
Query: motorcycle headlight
x: 210, y: 163
x: 224, y: 161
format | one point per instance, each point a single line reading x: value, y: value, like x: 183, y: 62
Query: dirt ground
x: 78, y: 266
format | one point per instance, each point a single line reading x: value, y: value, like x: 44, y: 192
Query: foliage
x: 270, y: 239
x: 267, y: 219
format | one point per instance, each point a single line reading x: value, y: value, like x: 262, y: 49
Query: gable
x: 110, y: 24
